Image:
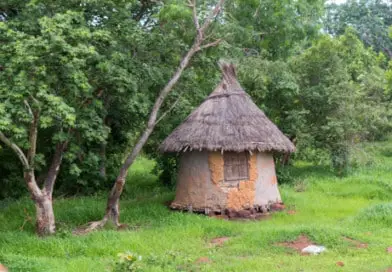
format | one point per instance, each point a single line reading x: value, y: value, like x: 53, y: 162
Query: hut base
x: 253, y: 213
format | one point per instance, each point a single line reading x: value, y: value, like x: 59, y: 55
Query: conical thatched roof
x: 227, y: 120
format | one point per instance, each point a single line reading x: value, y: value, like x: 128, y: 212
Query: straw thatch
x: 227, y: 120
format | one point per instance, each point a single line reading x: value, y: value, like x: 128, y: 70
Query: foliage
x: 342, y: 105
x: 101, y: 73
x: 127, y: 262
x: 370, y: 18
x: 327, y: 99
x: 380, y: 213
x: 273, y: 28
x: 285, y: 175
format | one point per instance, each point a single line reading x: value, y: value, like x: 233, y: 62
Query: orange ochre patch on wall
x: 274, y: 180
x: 243, y: 196
x: 215, y: 163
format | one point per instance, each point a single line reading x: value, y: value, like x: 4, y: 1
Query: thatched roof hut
x: 226, y: 144
x: 227, y: 120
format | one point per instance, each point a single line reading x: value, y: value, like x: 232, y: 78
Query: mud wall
x: 194, y: 187
x: 201, y: 185
x: 267, y: 185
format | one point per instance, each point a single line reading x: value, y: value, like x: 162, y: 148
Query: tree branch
x: 192, y: 5
x: 211, y: 44
x: 33, y: 138
x: 166, y: 90
x: 169, y: 110
x: 212, y: 15
x: 28, y: 107
x: 16, y: 149
x: 28, y: 171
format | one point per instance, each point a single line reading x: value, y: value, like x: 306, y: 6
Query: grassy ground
x: 327, y: 209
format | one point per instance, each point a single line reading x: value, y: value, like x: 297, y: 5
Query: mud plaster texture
x: 215, y: 163
x: 201, y: 186
x: 195, y: 191
x: 267, y: 191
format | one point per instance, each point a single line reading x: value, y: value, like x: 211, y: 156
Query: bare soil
x: 219, y: 241
x: 291, y: 212
x: 355, y: 243
x: 300, y: 243
x: 203, y: 260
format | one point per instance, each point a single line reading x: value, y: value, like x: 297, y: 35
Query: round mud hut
x: 226, y: 148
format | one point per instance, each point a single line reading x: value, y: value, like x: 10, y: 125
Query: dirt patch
x: 355, y: 243
x: 242, y: 215
x: 340, y: 263
x: 291, y: 212
x: 277, y: 207
x: 203, y: 260
x: 219, y: 241
x: 300, y: 243
x: 389, y: 269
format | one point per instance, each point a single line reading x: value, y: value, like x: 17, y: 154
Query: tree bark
x: 45, y: 222
x: 54, y: 169
x: 102, y: 166
x: 112, y: 207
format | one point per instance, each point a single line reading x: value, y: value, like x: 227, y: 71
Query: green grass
x: 327, y: 208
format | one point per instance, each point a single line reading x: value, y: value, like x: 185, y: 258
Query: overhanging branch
x: 16, y: 149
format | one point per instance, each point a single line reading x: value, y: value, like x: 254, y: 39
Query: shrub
x: 380, y: 213
x: 285, y: 175
x: 128, y: 262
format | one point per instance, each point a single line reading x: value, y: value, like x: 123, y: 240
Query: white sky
x: 337, y: 1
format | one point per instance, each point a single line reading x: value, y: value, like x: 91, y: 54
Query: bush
x: 285, y: 175
x: 380, y: 213
x: 167, y: 169
x: 128, y: 262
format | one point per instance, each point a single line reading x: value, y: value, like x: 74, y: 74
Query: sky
x: 337, y: 1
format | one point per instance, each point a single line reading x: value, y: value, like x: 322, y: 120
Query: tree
x: 274, y: 29
x: 112, y: 208
x: 341, y: 81
x: 46, y: 96
x: 370, y: 18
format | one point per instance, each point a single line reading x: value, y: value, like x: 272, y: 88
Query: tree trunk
x: 54, y: 169
x: 45, y: 223
x: 102, y: 167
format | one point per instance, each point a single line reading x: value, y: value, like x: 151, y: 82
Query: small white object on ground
x: 315, y: 250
